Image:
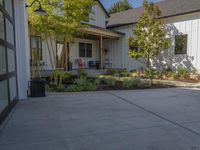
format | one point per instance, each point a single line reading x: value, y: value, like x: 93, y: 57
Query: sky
x: 135, y: 3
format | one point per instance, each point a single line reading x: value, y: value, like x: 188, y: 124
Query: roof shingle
x: 168, y: 8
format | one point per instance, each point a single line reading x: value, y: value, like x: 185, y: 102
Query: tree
x: 150, y: 37
x: 62, y: 23
x: 120, y: 6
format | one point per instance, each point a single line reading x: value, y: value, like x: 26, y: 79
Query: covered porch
x: 97, y: 55
x: 93, y: 51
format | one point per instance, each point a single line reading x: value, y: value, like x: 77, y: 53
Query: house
x: 105, y: 42
x: 182, y: 18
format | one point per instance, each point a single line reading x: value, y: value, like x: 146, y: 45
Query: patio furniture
x: 80, y: 63
x: 93, y: 64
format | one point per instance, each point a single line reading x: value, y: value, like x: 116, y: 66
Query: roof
x: 169, y: 8
x: 104, y: 9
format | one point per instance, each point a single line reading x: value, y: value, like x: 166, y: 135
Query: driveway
x: 156, y: 119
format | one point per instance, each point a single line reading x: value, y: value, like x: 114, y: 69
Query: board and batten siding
x: 74, y: 52
x: 122, y: 50
x: 98, y: 16
x: 186, y: 24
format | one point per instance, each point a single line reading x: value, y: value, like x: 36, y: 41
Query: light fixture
x: 38, y: 11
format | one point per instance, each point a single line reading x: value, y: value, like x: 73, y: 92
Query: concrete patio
x: 157, y: 119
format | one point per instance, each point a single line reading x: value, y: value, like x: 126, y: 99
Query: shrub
x: 113, y: 71
x: 97, y: 82
x: 60, y: 88
x: 183, y: 72
x: 89, y: 86
x: 151, y: 74
x: 145, y: 84
x: 131, y: 83
x: 110, y: 81
x: 82, y: 73
x: 60, y: 76
x: 125, y: 74
x: 126, y: 84
x: 80, y: 81
x: 48, y: 88
x: 74, y: 88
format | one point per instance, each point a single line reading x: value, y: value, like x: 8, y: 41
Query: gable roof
x: 104, y: 9
x: 169, y: 8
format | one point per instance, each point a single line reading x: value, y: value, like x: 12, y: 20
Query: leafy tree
x: 150, y: 37
x: 62, y: 23
x: 121, y: 5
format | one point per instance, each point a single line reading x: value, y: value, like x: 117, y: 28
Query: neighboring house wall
x: 98, y: 16
x: 186, y: 24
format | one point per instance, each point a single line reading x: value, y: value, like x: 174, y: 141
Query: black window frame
x: 87, y: 53
x: 177, y: 50
x: 8, y: 75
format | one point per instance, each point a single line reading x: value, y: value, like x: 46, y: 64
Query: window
x: 85, y: 50
x: 36, y: 48
x: 1, y: 2
x: 11, y: 60
x: 8, y: 7
x: 3, y: 94
x: 134, y: 48
x: 2, y: 31
x: 8, y: 80
x: 2, y: 60
x: 181, y: 44
x: 9, y: 32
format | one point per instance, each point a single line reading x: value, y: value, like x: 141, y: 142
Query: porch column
x: 101, y: 52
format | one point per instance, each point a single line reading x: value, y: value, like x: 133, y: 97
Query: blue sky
x: 135, y: 3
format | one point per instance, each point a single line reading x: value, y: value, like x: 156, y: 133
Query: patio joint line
x: 155, y: 114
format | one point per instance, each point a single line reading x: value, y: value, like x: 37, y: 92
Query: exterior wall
x: 185, y: 24
x: 74, y: 51
x: 114, y: 52
x: 126, y: 62
x: 190, y: 25
x: 98, y: 17
x: 22, y: 48
x: 73, y: 54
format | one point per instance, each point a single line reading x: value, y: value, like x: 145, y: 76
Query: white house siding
x: 127, y: 62
x: 185, y: 24
x: 46, y: 55
x: 114, y: 52
x: 74, y: 52
x: 98, y: 17
x: 22, y: 48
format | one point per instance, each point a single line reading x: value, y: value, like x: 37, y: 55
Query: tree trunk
x: 149, y: 70
x: 66, y: 55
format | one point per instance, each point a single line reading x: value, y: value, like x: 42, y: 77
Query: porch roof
x: 105, y: 33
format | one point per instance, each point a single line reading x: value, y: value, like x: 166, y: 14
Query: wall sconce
x: 38, y: 11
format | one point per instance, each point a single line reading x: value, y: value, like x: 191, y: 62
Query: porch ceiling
x: 105, y: 33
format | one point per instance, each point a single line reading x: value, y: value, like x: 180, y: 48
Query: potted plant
x: 37, y: 84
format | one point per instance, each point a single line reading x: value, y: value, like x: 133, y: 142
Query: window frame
x: 182, y: 52
x: 8, y: 75
x: 86, y: 50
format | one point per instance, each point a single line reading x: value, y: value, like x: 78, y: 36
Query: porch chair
x: 80, y: 63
